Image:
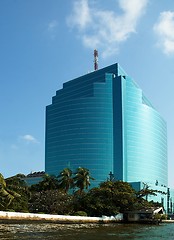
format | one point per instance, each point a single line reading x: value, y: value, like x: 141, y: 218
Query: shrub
x: 10, y: 210
x: 160, y: 216
x: 164, y: 217
x: 80, y: 213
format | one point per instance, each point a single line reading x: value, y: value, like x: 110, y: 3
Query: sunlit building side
x: 103, y: 121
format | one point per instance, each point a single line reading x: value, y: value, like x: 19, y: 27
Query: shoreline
x: 28, y: 217
x: 16, y: 217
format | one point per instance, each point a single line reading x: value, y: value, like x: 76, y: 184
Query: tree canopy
x: 65, y: 179
x: 7, y: 194
x: 82, y: 179
x: 52, y: 195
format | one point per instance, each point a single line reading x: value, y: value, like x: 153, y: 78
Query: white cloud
x: 164, y: 29
x: 105, y: 29
x: 51, y: 28
x: 81, y: 15
x: 14, y: 146
x: 52, y: 25
x: 29, y: 138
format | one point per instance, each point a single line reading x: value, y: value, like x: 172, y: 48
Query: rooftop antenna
x: 95, y: 60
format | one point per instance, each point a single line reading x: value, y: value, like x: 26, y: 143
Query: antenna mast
x: 95, y: 60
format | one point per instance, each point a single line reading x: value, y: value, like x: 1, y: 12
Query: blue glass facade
x: 145, y: 138
x: 103, y: 121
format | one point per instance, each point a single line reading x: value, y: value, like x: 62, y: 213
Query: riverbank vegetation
x: 70, y: 194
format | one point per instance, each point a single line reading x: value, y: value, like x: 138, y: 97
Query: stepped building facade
x: 103, y: 121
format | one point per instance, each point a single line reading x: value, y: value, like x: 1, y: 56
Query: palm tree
x: 82, y: 179
x: 146, y: 191
x: 49, y: 182
x: 19, y: 186
x: 16, y: 183
x: 6, y: 195
x: 65, y: 179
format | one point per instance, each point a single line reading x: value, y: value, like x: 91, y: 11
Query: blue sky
x: 44, y: 43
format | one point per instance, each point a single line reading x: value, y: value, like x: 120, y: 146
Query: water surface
x: 86, y: 231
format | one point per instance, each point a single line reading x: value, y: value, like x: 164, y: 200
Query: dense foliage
x: 67, y: 194
x: 51, y: 202
x: 14, y: 194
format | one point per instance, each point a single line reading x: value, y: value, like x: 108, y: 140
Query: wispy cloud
x: 105, y: 29
x: 29, y: 138
x: 52, y: 28
x: 81, y: 15
x: 164, y: 29
x: 14, y: 146
x: 52, y: 25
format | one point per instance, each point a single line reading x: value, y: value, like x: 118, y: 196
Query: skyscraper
x: 103, y: 121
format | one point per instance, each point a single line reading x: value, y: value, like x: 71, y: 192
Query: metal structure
x: 95, y: 60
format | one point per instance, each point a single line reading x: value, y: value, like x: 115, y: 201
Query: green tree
x: 51, y: 202
x: 82, y: 179
x: 6, y: 195
x: 49, y: 182
x: 123, y: 195
x: 65, y: 179
x: 142, y: 197
x: 146, y: 191
x: 17, y: 185
x: 108, y: 199
x: 98, y: 202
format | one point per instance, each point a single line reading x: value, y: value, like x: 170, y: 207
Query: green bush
x: 164, y: 217
x: 51, y: 202
x: 160, y: 216
x: 9, y: 210
x: 80, y: 213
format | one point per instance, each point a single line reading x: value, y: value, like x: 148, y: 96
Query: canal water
x: 86, y: 231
